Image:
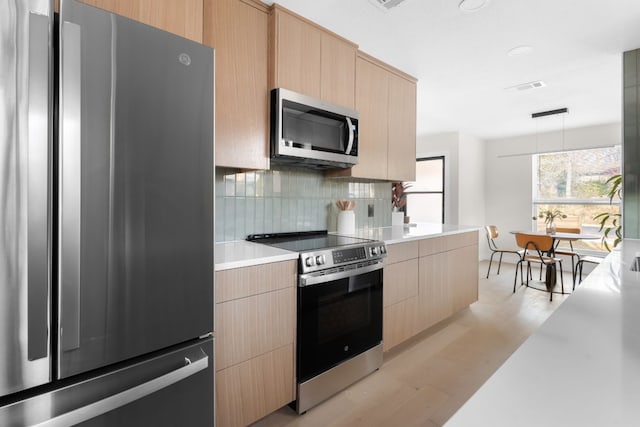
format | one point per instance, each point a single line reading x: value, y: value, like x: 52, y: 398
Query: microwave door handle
x: 351, y: 134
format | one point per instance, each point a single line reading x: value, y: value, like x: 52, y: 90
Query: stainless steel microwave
x: 309, y: 132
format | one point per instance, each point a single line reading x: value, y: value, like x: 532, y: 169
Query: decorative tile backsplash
x: 292, y: 199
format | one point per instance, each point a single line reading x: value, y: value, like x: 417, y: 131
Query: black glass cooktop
x: 305, y: 241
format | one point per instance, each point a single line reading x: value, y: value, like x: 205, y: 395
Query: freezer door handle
x: 38, y: 187
x: 70, y: 188
x: 118, y: 400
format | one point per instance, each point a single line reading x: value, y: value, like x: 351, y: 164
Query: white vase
x: 397, y: 218
x: 346, y: 222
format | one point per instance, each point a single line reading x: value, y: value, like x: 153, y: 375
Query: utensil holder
x: 346, y: 222
x: 397, y: 218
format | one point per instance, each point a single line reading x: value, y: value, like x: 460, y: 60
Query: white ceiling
x: 461, y: 61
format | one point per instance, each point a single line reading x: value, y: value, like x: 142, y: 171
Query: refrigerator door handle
x: 38, y: 188
x: 118, y: 400
x: 70, y: 187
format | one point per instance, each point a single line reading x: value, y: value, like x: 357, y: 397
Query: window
x: 425, y: 196
x: 574, y: 183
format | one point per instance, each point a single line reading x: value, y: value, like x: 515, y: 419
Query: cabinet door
x: 400, y: 297
x: 402, y: 129
x: 462, y: 264
x: 435, y: 289
x: 372, y: 98
x: 338, y: 71
x: 238, y: 32
x: 297, y: 47
x: 401, y: 322
x: 253, y: 389
x: 400, y: 281
x: 181, y: 17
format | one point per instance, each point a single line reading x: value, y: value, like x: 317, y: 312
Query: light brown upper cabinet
x: 401, y: 151
x: 237, y: 30
x: 309, y: 59
x: 386, y: 101
x: 181, y: 17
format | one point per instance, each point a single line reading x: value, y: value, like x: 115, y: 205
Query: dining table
x: 557, y: 238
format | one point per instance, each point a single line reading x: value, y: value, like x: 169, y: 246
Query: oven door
x: 339, y: 316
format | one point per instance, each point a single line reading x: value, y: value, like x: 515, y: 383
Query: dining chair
x: 570, y: 252
x: 587, y: 258
x: 492, y: 233
x: 535, y: 249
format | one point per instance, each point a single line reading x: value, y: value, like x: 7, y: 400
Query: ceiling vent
x: 385, y: 5
x: 526, y: 86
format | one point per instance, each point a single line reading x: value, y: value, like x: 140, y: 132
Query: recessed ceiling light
x: 520, y: 51
x: 472, y: 5
x: 526, y: 86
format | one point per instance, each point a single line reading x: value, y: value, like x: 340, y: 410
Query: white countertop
x: 245, y: 254
x: 398, y: 234
x: 241, y: 253
x: 581, y: 367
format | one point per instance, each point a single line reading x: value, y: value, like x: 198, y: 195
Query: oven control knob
x: 310, y: 261
x: 383, y: 250
x: 320, y: 259
x: 374, y: 251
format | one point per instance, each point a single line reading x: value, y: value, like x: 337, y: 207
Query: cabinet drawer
x: 397, y: 252
x: 242, y: 282
x: 433, y: 245
x: 250, y: 390
x: 249, y: 327
x: 460, y: 240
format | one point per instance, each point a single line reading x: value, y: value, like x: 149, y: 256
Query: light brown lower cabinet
x: 255, y: 320
x: 400, y: 294
x: 427, y: 281
x: 250, y: 390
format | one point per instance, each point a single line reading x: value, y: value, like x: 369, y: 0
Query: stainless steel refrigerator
x: 106, y: 220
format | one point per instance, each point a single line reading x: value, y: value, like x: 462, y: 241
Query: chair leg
x: 490, y: 261
x: 500, y: 262
x: 573, y: 269
x: 579, y: 265
x: 561, y: 278
x: 515, y: 279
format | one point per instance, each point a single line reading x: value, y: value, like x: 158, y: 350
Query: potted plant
x: 398, y: 202
x: 611, y: 223
x: 549, y: 216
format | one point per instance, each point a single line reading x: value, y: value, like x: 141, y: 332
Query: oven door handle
x: 315, y: 278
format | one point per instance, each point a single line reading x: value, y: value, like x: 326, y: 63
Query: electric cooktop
x: 305, y: 241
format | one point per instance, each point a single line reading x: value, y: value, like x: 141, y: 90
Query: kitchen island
x: 581, y: 367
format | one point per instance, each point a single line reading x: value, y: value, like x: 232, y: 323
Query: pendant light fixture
x: 563, y: 111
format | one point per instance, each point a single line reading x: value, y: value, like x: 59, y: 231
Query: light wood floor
x: 426, y: 380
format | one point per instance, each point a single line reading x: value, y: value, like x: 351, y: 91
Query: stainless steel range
x: 339, y: 334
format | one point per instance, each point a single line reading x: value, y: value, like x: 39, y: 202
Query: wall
x: 464, y: 174
x: 631, y: 145
x: 471, y: 188
x: 508, y: 179
x: 291, y: 199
